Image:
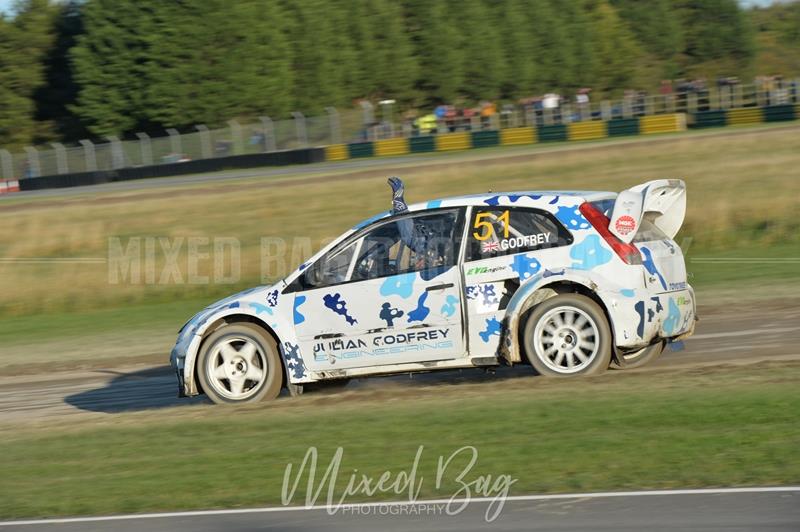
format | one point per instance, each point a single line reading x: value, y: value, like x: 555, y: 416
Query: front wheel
x: 239, y: 363
x: 568, y: 335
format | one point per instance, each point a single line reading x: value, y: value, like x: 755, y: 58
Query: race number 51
x: 484, y: 228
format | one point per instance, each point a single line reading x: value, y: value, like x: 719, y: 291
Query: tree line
x: 114, y: 67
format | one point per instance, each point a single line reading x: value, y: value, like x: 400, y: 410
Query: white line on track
x: 747, y: 332
x: 276, y: 509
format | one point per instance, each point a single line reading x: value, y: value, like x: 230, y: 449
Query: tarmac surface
x: 680, y: 510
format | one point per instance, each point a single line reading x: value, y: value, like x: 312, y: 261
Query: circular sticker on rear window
x: 625, y: 224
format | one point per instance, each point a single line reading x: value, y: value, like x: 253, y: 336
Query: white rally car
x: 569, y: 282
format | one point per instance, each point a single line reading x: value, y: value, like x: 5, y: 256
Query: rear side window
x: 495, y: 232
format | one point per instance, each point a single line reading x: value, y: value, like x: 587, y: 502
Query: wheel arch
x: 539, y: 289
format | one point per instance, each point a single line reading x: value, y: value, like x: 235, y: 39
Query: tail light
x: 627, y: 252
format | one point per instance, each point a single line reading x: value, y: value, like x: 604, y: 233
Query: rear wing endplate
x: 663, y: 201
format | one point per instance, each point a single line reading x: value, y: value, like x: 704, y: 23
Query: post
x: 175, y: 142
x: 366, y: 108
x: 117, y: 157
x: 61, y: 157
x: 34, y: 169
x: 205, y: 141
x: 269, y: 134
x: 145, y: 148
x: 605, y: 110
x: 300, y: 126
x: 236, y: 136
x: 692, y: 102
x: 7, y: 164
x: 89, y: 155
x: 336, y: 131
x: 387, y: 106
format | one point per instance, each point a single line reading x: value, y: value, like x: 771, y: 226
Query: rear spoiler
x: 662, y: 200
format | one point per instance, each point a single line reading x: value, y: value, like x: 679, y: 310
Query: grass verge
x: 637, y: 430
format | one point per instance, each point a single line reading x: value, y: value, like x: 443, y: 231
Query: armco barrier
x: 779, y: 113
x: 255, y: 160
x: 662, y: 123
x: 587, y: 130
x: 552, y: 133
x: 423, y: 144
x: 745, y: 115
x: 453, y: 141
x: 710, y: 119
x: 485, y: 139
x: 398, y: 146
x: 336, y: 152
x: 517, y: 135
x: 622, y: 126
x: 360, y: 149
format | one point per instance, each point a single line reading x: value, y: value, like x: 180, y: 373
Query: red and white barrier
x: 6, y: 187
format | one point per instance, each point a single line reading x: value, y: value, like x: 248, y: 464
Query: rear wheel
x: 568, y: 335
x: 639, y: 358
x: 239, y: 363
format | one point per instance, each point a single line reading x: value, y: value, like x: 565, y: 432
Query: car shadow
x: 147, y: 389
x: 155, y: 388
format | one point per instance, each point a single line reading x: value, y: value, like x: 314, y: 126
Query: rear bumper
x: 646, y: 317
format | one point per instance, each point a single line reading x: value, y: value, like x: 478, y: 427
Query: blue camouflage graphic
x: 589, y: 254
x: 399, y: 285
x: 572, y: 218
x: 493, y: 328
x: 291, y: 354
x: 389, y: 314
x: 485, y: 290
x: 494, y: 201
x: 673, y: 315
x: 339, y: 306
x: 258, y: 308
x: 449, y: 307
x: 639, y: 308
x: 298, y: 317
x: 526, y: 266
x: 272, y: 298
x: 421, y: 312
x: 650, y: 266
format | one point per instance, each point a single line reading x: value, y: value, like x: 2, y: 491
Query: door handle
x: 439, y: 287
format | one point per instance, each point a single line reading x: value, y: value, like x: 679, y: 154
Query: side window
x: 335, y: 266
x: 409, y: 244
x: 501, y: 231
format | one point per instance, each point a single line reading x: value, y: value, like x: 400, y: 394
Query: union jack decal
x: 487, y: 247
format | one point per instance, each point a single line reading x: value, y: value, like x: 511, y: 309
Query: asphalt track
x: 697, y: 511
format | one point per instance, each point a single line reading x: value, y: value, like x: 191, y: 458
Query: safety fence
x: 464, y: 140
x: 488, y: 135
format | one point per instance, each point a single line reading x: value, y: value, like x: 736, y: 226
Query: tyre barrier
x: 7, y: 187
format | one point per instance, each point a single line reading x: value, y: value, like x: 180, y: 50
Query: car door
x: 506, y: 246
x: 389, y: 295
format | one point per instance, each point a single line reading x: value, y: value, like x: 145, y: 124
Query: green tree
x: 519, y: 48
x: 716, y: 29
x: 483, y: 61
x: 555, y: 57
x: 212, y: 61
x: 111, y: 61
x: 657, y: 27
x: 24, y: 41
x: 432, y: 27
